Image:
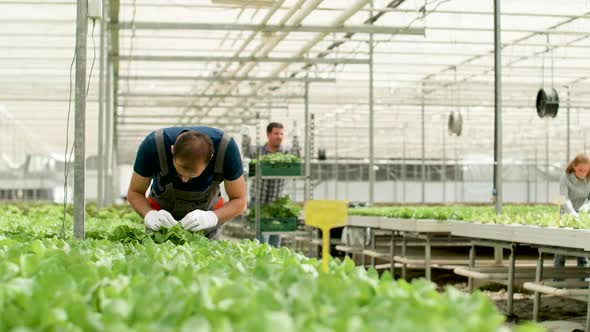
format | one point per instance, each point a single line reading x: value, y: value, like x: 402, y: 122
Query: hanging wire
x: 548, y: 43
x: 337, y: 55
x: 93, y: 56
x: 543, y: 67
x: 455, y: 91
x: 66, y: 165
x: 458, y: 93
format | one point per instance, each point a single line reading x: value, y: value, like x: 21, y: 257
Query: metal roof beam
x: 549, y: 31
x: 180, y: 58
x: 361, y: 28
x: 226, y: 79
x: 179, y: 105
x: 188, y: 95
x: 144, y: 116
x: 170, y: 123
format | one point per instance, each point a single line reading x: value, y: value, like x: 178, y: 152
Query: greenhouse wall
x: 463, y: 192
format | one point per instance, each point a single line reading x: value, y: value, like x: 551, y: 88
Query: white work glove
x: 199, y: 220
x: 153, y: 220
x: 585, y: 207
x: 569, y: 208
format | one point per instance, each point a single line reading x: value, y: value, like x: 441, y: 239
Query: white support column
x: 443, y: 173
x: 101, y: 109
x: 107, y: 147
x: 307, y: 190
x: 568, y: 150
x: 423, y: 132
x: 498, y: 107
x: 80, y: 120
x: 371, y: 120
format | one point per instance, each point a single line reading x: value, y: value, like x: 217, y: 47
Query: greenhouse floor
x: 558, y: 314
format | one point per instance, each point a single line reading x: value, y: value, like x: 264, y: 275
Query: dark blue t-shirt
x: 147, y: 162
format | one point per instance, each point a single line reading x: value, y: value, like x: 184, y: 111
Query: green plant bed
x: 539, y: 215
x: 124, y: 279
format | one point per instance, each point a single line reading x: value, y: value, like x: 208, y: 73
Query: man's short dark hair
x: 272, y: 126
x: 193, y: 146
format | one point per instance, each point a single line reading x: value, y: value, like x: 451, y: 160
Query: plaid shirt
x: 270, y: 189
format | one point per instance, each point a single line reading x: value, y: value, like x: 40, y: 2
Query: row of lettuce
x: 123, y: 279
x: 539, y: 215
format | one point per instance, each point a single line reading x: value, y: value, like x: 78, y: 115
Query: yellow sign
x: 325, y: 215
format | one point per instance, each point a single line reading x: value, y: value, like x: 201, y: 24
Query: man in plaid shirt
x: 270, y: 189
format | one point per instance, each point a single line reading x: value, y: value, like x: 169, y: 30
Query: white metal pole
x: 389, y: 177
x: 528, y: 181
x: 403, y: 172
x: 456, y: 173
x: 101, y: 108
x: 321, y: 176
x: 423, y: 149
x: 462, y: 173
x: 346, y: 181
x: 443, y: 172
x: 371, y: 122
x: 336, y: 170
x: 80, y: 120
x: 108, y: 146
x: 568, y: 152
x: 114, y: 182
x: 258, y: 180
x: 536, y: 174
x: 547, y: 161
x: 498, y: 106
x: 307, y: 189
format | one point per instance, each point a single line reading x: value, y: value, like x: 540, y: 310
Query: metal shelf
x: 258, y: 177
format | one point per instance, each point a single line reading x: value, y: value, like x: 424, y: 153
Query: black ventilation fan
x: 547, y: 103
x: 455, y: 123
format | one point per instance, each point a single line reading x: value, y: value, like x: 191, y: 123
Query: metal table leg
x: 538, y: 278
x: 404, y: 255
x: 363, y: 247
x: 427, y: 259
x: 317, y: 249
x: 349, y: 243
x: 511, y: 268
x: 310, y: 245
x: 588, y: 312
x: 498, y: 255
x: 372, y: 246
x: 470, y: 283
x: 392, y: 252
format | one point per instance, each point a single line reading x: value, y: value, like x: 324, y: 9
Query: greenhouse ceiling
x: 220, y: 62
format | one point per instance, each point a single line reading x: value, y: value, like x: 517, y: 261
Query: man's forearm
x: 231, y: 209
x: 139, y: 203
